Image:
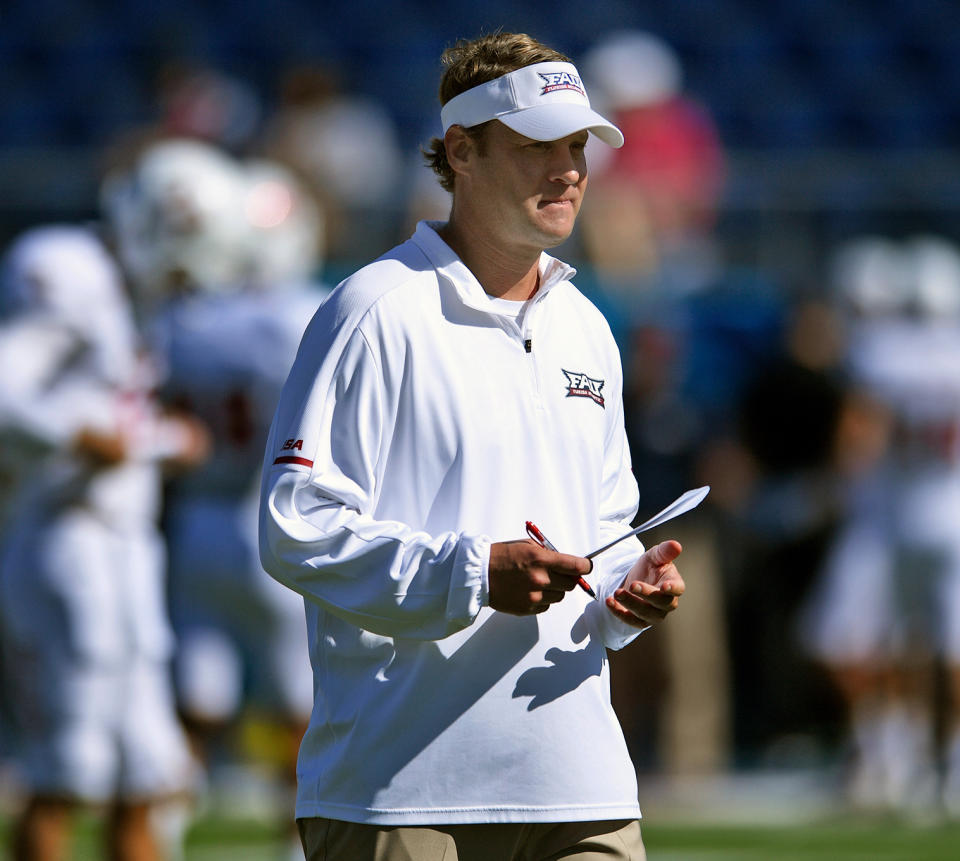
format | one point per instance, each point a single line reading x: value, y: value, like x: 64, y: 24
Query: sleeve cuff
x: 469, y: 585
x: 614, y: 633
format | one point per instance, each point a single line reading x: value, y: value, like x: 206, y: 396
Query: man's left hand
x: 651, y: 589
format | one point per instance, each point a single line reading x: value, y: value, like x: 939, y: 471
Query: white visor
x: 544, y: 102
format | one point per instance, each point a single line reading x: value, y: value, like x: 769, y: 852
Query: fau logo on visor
x: 554, y: 81
x: 579, y: 385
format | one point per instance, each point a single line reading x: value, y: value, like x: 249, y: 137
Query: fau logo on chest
x: 553, y: 81
x: 579, y: 385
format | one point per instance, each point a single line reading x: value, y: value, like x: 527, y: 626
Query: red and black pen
x: 545, y: 542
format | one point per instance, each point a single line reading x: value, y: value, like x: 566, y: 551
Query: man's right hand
x: 526, y: 579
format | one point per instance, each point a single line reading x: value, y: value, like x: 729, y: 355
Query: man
x: 442, y: 396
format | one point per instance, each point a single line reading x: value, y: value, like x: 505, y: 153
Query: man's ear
x: 459, y: 147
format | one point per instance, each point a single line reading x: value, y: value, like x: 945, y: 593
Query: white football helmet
x: 935, y: 275
x: 287, y: 226
x: 871, y: 275
x: 177, y: 217
x: 64, y: 268
x: 65, y: 274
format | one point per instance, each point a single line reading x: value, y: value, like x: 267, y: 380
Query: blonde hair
x: 471, y: 62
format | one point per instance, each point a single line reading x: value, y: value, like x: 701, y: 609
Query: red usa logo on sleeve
x: 293, y: 445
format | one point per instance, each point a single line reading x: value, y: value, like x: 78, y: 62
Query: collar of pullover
x: 471, y: 293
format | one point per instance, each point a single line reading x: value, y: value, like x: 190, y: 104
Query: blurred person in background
x: 345, y: 147
x: 191, y: 100
x: 647, y: 229
x: 86, y: 638
x: 887, y: 608
x: 654, y: 202
x: 230, y: 252
x: 791, y: 419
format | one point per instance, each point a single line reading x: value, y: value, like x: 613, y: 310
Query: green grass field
x: 859, y: 841
x: 221, y: 839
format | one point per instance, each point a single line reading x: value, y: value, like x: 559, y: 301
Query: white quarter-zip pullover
x: 423, y: 420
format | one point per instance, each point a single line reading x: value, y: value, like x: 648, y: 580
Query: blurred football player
x: 82, y: 606
x: 889, y: 602
x: 231, y: 259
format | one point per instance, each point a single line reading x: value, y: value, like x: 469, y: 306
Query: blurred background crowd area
x: 817, y: 102
x: 791, y: 177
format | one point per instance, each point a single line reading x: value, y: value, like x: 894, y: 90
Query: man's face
x: 527, y: 192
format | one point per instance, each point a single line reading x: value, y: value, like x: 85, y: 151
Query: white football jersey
x: 225, y: 358
x: 913, y: 367
x: 71, y: 360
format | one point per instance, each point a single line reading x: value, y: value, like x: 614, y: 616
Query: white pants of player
x: 892, y: 580
x: 241, y: 635
x: 87, y: 646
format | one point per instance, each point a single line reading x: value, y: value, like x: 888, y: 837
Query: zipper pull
x: 528, y: 345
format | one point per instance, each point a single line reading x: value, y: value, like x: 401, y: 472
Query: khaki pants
x: 334, y: 840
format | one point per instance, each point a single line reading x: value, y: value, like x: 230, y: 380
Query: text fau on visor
x: 544, y: 102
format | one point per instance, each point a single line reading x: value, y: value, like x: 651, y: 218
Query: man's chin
x: 554, y: 238
x: 556, y: 232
